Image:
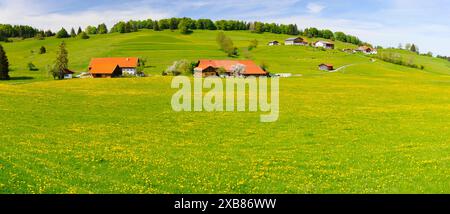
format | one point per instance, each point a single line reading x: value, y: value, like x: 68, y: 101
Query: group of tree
x: 443, y: 57
x: 340, y: 36
x: 22, y: 31
x: 410, y: 47
x: 398, y: 59
x: 100, y: 29
x: 79, y: 33
x: 185, y: 25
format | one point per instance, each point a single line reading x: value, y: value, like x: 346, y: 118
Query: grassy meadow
x: 372, y: 127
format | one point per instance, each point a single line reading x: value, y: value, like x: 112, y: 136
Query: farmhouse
x: 295, y: 41
x: 324, y: 44
x: 366, y: 50
x: 207, y: 68
x: 113, y: 67
x: 273, y: 43
x: 326, y: 67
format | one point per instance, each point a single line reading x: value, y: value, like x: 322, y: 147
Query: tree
x: 72, y: 33
x: 61, y: 63
x: 141, y: 67
x: 4, y: 65
x: 42, y: 50
x: 414, y: 48
x: 79, y: 31
x: 226, y: 44
x: 62, y: 34
x: 102, y: 29
x: 156, y: 26
x: 184, y: 27
x: 264, y: 66
x: 83, y: 35
x: 180, y: 67
x: 253, y: 44
x: 32, y: 67
x: 238, y: 70
x: 91, y: 30
x: 258, y: 27
x: 39, y: 36
x: 408, y: 46
x: 173, y: 23
x: 49, y: 33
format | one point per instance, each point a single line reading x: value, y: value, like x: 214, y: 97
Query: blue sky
x: 380, y: 22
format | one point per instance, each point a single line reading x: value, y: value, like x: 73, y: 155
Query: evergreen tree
x: 42, y: 50
x: 4, y: 65
x: 61, y: 63
x: 62, y: 34
x: 72, y: 33
x: 414, y: 48
x: 79, y: 31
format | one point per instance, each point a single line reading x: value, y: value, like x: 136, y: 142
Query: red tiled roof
x: 108, y: 65
x: 250, y: 67
x: 102, y: 68
x: 123, y: 62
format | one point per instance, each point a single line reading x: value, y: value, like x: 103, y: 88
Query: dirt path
x: 346, y: 66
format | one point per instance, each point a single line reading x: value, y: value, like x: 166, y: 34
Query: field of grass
x: 373, y: 127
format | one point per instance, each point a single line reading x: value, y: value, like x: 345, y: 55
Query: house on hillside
x: 207, y: 68
x: 113, y: 67
x: 273, y: 43
x: 366, y: 50
x: 295, y: 41
x: 326, y: 67
x: 324, y: 44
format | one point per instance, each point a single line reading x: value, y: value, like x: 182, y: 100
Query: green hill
x: 162, y: 48
x: 372, y: 127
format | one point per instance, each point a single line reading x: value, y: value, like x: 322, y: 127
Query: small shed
x: 326, y: 67
x: 273, y: 43
x: 68, y: 74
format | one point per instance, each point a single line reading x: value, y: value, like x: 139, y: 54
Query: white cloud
x: 387, y: 22
x: 43, y: 18
x: 315, y: 8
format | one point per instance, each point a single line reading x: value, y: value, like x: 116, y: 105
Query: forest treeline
x: 185, y: 25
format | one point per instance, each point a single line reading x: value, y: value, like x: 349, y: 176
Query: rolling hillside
x: 162, y: 48
x: 373, y: 127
